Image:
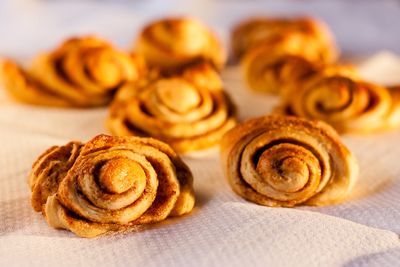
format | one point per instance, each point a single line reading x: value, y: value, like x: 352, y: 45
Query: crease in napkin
x: 223, y: 229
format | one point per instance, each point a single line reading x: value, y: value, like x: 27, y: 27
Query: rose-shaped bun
x: 81, y: 72
x: 287, y: 161
x: 110, y: 184
x: 188, y: 111
x: 171, y: 43
x: 340, y: 98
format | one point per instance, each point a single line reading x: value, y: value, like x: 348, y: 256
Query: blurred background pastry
x: 265, y: 45
x: 171, y: 43
x: 338, y: 96
x: 81, y: 72
x: 309, y: 35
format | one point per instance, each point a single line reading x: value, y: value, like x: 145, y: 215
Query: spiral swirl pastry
x: 189, y: 111
x: 110, y: 184
x: 307, y: 36
x: 287, y: 161
x: 171, y: 43
x: 81, y: 72
x: 343, y: 100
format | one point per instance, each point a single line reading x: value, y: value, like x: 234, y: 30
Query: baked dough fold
x: 287, y: 161
x: 110, y: 184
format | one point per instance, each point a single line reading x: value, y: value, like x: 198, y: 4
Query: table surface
x: 362, y: 232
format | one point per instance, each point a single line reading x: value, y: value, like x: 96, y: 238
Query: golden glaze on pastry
x: 307, y: 35
x: 171, y: 43
x: 188, y: 111
x: 287, y: 161
x: 274, y: 51
x: 343, y: 100
x: 81, y: 72
x: 110, y: 184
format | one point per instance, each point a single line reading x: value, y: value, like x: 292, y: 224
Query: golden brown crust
x: 171, y: 43
x: 81, y: 72
x: 339, y: 97
x: 111, y: 184
x: 287, y: 161
x: 308, y: 36
x: 188, y: 111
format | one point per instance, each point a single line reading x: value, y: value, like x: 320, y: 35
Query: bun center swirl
x: 287, y: 167
x: 337, y: 95
x: 178, y: 95
x: 119, y: 175
x: 101, y: 181
x: 282, y: 168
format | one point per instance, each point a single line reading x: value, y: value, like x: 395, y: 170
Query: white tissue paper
x: 223, y: 229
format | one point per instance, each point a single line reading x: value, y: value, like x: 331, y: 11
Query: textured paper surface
x: 223, y: 230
